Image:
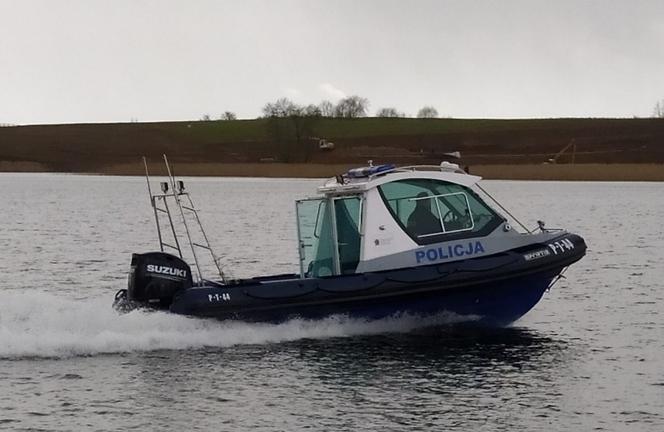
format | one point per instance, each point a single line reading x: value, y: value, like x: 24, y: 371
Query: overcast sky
x: 102, y: 61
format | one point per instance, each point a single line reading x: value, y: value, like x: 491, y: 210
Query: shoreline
x: 568, y: 172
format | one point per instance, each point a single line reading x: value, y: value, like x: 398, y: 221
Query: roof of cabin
x: 376, y: 176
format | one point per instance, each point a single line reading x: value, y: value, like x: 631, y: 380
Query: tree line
x: 349, y: 107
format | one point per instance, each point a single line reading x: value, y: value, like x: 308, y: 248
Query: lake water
x: 590, y: 356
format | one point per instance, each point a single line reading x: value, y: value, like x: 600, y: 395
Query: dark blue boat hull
x: 492, y: 303
x: 495, y: 290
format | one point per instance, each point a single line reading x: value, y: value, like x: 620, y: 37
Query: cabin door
x: 329, y: 235
x: 348, y: 217
x: 318, y: 256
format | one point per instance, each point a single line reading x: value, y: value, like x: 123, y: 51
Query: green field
x: 335, y: 128
x: 96, y: 147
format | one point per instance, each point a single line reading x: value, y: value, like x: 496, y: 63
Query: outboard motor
x: 155, y: 277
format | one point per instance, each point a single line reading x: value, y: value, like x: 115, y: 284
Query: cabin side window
x: 433, y: 210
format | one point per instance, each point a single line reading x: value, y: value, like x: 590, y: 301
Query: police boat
x: 376, y: 242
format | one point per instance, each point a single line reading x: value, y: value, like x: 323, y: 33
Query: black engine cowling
x: 155, y: 277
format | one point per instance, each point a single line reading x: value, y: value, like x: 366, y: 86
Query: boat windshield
x: 432, y: 210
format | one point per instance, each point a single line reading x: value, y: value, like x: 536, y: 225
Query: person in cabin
x: 422, y: 221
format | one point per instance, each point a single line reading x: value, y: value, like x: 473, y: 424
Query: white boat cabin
x: 382, y: 217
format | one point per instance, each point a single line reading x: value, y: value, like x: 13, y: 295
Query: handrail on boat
x: 412, y: 168
x: 178, y: 194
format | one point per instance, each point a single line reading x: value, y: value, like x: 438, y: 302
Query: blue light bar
x: 369, y: 171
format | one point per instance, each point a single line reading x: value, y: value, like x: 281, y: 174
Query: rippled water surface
x: 590, y: 356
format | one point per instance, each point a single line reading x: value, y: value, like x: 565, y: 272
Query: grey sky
x: 99, y: 61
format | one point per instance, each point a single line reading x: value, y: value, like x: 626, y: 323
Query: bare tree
x: 326, y: 108
x: 311, y: 110
x: 228, y: 115
x: 427, y: 112
x: 658, y: 111
x: 352, y: 107
x: 389, y: 112
x: 282, y: 107
x: 206, y: 117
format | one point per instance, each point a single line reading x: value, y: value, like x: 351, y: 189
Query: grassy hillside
x: 95, y: 147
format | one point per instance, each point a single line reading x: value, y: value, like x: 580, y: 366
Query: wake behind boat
x: 378, y: 241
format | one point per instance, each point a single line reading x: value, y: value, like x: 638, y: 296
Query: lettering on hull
x: 536, y: 254
x: 561, y: 246
x: 443, y: 253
